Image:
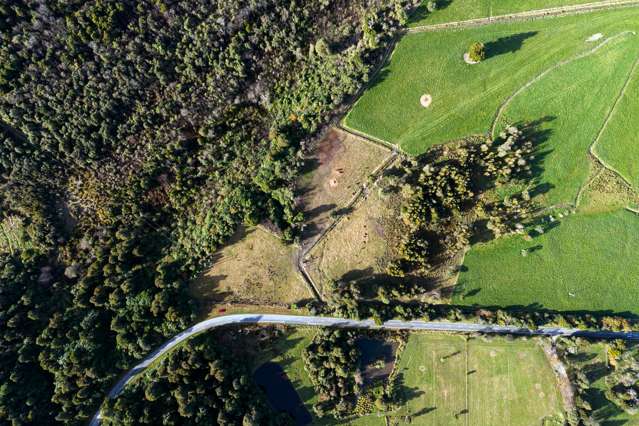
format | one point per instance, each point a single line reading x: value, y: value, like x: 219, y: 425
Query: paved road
x: 347, y: 323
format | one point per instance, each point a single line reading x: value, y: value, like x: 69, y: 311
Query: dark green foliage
x: 199, y: 383
x: 442, y: 196
x: 331, y: 361
x: 135, y: 137
x: 623, y: 383
x: 27, y: 286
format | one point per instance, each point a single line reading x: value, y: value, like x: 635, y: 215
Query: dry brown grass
x: 606, y: 192
x: 255, y: 269
x: 339, y: 167
x: 359, y: 246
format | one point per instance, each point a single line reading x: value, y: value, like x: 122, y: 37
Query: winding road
x: 295, y: 320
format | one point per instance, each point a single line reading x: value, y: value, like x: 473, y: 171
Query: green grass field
x: 504, y: 377
x: 619, y: 143
x: 573, y: 102
x: 547, y: 72
x: 460, y: 10
x: 451, y: 381
x: 585, y: 263
x: 465, y: 97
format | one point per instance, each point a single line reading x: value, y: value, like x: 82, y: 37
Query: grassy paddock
x: 619, y: 144
x: 465, y: 97
x: 255, y: 268
x: 572, y: 103
x: 450, y: 381
x: 585, y: 263
x: 357, y: 246
x: 338, y: 168
x: 460, y: 10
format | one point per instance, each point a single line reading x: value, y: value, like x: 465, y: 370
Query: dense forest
x: 199, y: 383
x: 135, y: 136
x: 331, y: 361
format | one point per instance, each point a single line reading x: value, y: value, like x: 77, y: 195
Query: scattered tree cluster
x: 331, y: 361
x: 477, y: 52
x: 135, y: 137
x: 623, y: 383
x: 199, y: 383
x: 442, y: 197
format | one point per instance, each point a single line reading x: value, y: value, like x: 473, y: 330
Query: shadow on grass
x: 508, y: 44
x: 421, y: 12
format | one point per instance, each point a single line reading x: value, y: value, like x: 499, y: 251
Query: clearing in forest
x: 336, y: 170
x: 255, y: 268
x: 358, y: 247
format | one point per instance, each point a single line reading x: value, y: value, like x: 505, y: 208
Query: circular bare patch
x: 468, y: 60
x: 594, y: 37
x: 493, y: 354
x: 538, y: 386
x: 422, y: 368
x: 333, y: 183
x: 426, y: 100
x: 542, y: 395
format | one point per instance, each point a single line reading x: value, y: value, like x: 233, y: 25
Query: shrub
x: 477, y: 52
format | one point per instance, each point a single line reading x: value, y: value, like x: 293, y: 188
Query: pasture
x: 460, y: 10
x: 358, y: 247
x: 584, y: 263
x: 255, y: 268
x: 580, y: 92
x: 449, y: 380
x: 336, y: 170
x: 466, y: 97
x: 618, y: 145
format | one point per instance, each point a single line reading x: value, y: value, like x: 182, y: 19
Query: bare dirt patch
x: 426, y: 100
x: 338, y: 167
x: 254, y: 268
x: 468, y: 60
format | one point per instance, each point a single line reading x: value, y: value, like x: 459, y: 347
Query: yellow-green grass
x: 584, y: 263
x: 452, y: 381
x: 256, y: 268
x: 619, y: 143
x: 466, y: 97
x: 460, y: 10
x: 572, y: 102
x: 341, y: 164
x: 357, y: 247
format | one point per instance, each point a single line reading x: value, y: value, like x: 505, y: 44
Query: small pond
x: 376, y: 359
x: 280, y: 392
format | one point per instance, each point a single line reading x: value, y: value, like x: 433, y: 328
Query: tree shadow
x: 313, y: 213
x: 596, y: 371
x: 508, y: 44
x: 403, y: 393
x: 421, y: 12
x: 603, y: 409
